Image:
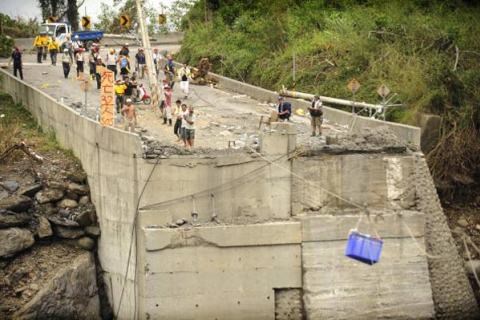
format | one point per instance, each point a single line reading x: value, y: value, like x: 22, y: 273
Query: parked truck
x: 61, y: 29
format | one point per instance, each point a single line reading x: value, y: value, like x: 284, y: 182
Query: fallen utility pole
x: 152, y: 76
x: 343, y: 102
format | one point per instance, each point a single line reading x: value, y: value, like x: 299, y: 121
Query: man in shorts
x: 190, y: 128
x: 128, y: 111
x: 316, y: 112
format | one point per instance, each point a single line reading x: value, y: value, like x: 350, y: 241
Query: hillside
x: 426, y: 51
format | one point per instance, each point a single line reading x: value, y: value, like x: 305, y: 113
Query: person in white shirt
x: 77, y: 44
x: 185, y: 76
x: 157, y: 60
x: 190, y: 127
x: 111, y: 60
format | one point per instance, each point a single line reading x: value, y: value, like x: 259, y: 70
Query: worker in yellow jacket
x: 53, y: 48
x: 40, y: 44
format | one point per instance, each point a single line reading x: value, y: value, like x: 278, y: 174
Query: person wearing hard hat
x: 76, y: 45
x: 80, y: 61
x: 66, y: 62
x: 128, y: 111
x: 316, y: 111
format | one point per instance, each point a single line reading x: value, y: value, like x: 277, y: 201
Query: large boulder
x: 71, y: 294
x: 49, y: 195
x: 13, y: 240
x: 12, y: 219
x: 17, y: 204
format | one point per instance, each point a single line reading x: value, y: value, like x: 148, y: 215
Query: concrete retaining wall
x: 110, y: 158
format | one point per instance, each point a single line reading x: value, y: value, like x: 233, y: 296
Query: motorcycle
x: 143, y: 95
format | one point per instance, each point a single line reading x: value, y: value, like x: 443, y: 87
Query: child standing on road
x: 17, y: 62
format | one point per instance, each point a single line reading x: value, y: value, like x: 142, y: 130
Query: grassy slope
x: 428, y: 52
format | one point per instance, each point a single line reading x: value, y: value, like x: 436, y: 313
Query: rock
x: 61, y: 221
x: 78, y: 189
x: 477, y: 199
x: 92, y: 231
x: 68, y: 232
x: 13, y: 240
x: 462, y: 223
x: 84, y: 218
x: 71, y: 195
x: 67, y: 204
x: 49, y: 195
x: 30, y: 191
x: 17, y: 204
x: 477, y: 227
x: 472, y: 265
x: 331, y: 140
x: 45, y: 209
x: 78, y: 176
x: 11, y: 186
x: 71, y: 294
x: 58, y: 185
x: 12, y: 219
x: 34, y: 287
x: 84, y: 200
x: 86, y: 243
x: 44, y: 228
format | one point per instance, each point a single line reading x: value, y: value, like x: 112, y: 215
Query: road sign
x: 86, y: 22
x: 162, y: 19
x: 383, y: 91
x: 52, y: 19
x: 125, y: 20
x: 353, y: 85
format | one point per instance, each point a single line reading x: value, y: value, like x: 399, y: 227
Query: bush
x: 6, y: 46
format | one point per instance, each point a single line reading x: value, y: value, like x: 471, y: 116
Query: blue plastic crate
x: 364, y: 248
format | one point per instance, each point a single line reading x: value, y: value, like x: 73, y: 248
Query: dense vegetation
x: 427, y: 51
x: 18, y: 27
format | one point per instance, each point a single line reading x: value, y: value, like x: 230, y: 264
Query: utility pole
x: 152, y: 76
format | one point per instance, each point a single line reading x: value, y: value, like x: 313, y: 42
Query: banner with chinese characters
x: 107, y: 97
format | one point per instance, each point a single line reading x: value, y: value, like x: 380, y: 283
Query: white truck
x: 61, y: 29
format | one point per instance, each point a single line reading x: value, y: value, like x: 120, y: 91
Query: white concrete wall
x: 220, y: 272
x: 377, y: 180
x: 110, y: 158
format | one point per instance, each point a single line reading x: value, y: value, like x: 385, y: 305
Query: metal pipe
x: 342, y: 102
